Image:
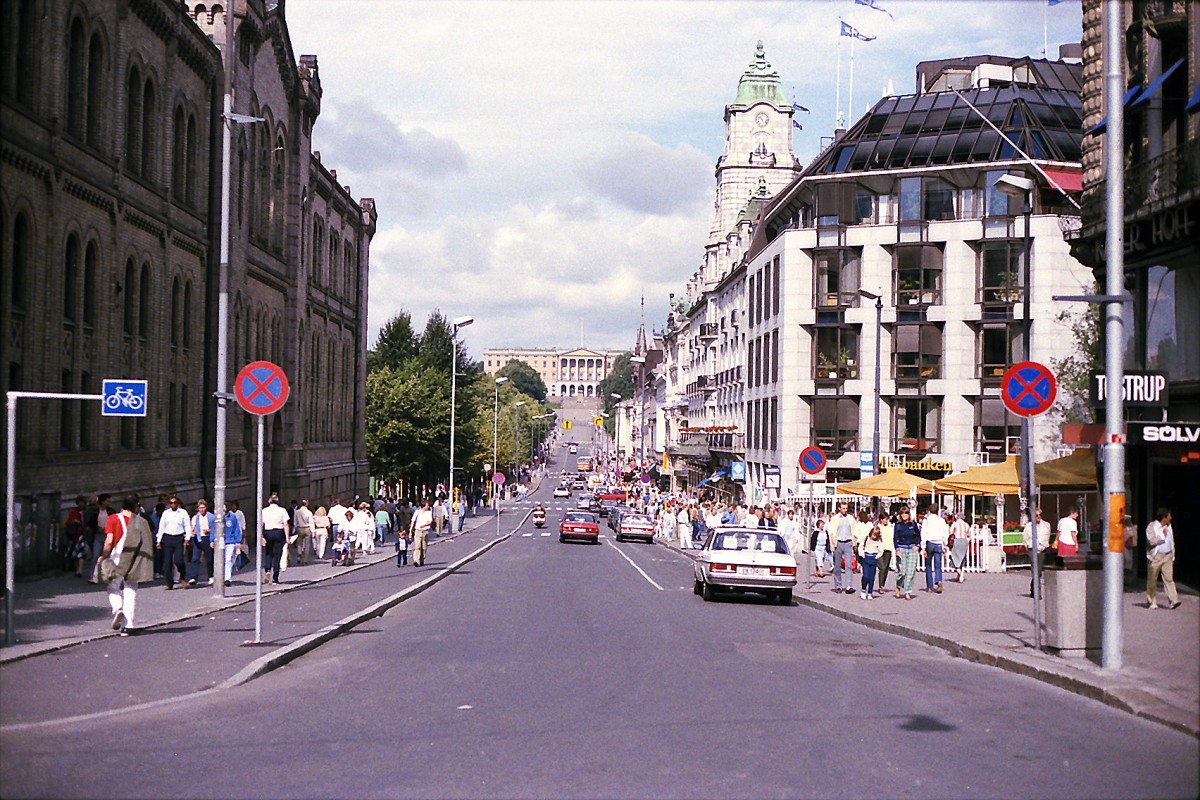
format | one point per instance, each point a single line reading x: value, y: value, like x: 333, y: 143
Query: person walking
x: 884, y: 562
x: 934, y: 533
x: 907, y: 537
x: 460, y: 511
x: 320, y: 526
x: 274, y: 539
x: 129, y: 542
x: 1043, y: 541
x: 202, y: 525
x: 869, y: 552
x: 1068, y: 533
x: 1160, y: 550
x: 337, y: 518
x: 439, y: 516
x: 401, y: 548
x: 842, y: 534
x: 364, y: 526
x: 303, y: 521
x: 820, y: 548
x: 233, y: 543
x: 683, y: 527
x: 959, y: 544
x: 173, y: 531
x: 383, y: 523
x: 421, y: 523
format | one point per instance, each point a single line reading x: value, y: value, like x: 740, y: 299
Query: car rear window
x: 573, y: 517
x: 636, y: 519
x: 745, y: 540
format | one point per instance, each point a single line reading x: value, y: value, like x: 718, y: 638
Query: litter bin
x: 1074, y: 589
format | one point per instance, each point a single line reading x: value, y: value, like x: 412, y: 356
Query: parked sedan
x: 745, y: 560
x: 635, y: 526
x: 579, y: 525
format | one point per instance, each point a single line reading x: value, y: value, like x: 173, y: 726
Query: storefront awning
x: 1156, y: 85
x: 1067, y: 180
x: 1126, y: 101
x: 1193, y: 105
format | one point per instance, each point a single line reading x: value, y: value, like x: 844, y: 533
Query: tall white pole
x: 850, y: 102
x: 10, y: 522
x: 837, y: 118
x: 223, y: 315
x: 453, y: 389
x: 1112, y: 644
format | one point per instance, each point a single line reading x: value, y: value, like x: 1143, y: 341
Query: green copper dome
x: 760, y: 83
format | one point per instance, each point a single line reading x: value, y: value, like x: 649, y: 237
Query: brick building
x: 110, y: 166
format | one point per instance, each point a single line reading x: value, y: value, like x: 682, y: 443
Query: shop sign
x: 771, y: 474
x: 1147, y: 389
x: 1164, y: 432
x: 926, y: 464
x: 737, y: 471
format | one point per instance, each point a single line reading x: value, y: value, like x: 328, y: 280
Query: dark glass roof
x: 939, y: 128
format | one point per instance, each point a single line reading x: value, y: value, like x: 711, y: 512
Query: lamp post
x: 878, y: 298
x: 641, y: 391
x: 461, y: 322
x: 616, y: 425
x: 495, y: 441
x: 1016, y: 186
x: 222, y: 394
x: 517, y: 439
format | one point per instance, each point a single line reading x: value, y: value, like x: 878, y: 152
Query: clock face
x: 760, y: 119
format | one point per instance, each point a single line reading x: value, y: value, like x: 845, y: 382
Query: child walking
x: 870, y: 551
x: 402, y: 549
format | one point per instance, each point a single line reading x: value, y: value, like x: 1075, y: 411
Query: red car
x: 579, y: 525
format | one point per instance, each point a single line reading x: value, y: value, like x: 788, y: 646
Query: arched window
x: 149, y: 133
x: 71, y: 279
x: 90, y: 265
x: 19, y: 50
x: 77, y: 59
x: 241, y: 170
x: 335, y: 279
x: 130, y: 289
x: 95, y: 90
x: 133, y: 120
x: 144, y: 303
x: 20, y: 261
x: 318, y: 253
x: 178, y: 154
x: 190, y: 173
x: 187, y: 315
x: 176, y: 322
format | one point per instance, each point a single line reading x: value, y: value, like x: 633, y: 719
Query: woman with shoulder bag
x: 127, y: 558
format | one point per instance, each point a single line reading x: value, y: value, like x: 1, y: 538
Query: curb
x: 1127, y: 698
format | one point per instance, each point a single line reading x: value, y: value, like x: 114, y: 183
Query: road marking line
x: 635, y: 566
x: 547, y: 533
x: 527, y: 534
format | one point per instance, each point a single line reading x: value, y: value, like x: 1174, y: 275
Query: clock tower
x: 758, y: 144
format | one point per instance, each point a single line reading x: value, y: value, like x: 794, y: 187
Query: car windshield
x: 636, y: 519
x: 573, y: 517
x: 762, y: 541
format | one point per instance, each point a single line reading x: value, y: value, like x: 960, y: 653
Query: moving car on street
x: 579, y: 525
x: 745, y: 560
x: 635, y: 526
x: 562, y: 491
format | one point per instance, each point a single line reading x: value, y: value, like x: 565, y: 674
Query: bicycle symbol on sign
x: 124, y: 397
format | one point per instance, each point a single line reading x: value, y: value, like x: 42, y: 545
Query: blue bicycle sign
x: 121, y: 398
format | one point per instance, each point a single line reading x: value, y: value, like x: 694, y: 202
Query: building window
x: 187, y: 315
x: 86, y: 409
x: 19, y: 50
x: 20, y: 262
x: 76, y: 81
x: 925, y: 199
x: 66, y: 436
x: 71, y: 280
x: 837, y: 277
x: 133, y: 120
x: 916, y: 352
x: 90, y: 262
x: 96, y: 81
x: 1000, y: 346
x: 918, y: 274
x: 835, y: 424
x: 130, y: 291
x: 1001, y: 271
x: 176, y: 322
x: 837, y: 352
x: 916, y: 424
x: 144, y: 303
x: 997, y: 431
x: 1172, y: 297
x: 149, y: 132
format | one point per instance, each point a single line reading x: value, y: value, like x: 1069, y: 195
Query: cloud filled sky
x: 541, y: 165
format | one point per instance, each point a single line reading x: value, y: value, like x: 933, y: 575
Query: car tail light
x: 722, y: 568
x: 783, y: 570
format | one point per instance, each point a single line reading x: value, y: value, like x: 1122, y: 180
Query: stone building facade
x: 566, y: 373
x: 110, y: 167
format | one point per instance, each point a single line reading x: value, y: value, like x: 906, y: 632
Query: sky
x: 543, y: 166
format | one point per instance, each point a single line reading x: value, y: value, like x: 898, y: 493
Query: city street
x: 543, y: 669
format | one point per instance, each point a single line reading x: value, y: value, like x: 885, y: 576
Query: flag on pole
x: 853, y: 33
x: 874, y: 4
x: 798, y: 108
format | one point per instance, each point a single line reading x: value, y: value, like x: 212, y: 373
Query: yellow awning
x: 893, y: 483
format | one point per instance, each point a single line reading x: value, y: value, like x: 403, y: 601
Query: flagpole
x: 837, y: 120
x: 1046, y: 29
x: 850, y: 104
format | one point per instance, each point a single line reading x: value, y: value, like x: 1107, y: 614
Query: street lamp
x: 878, y: 298
x: 1019, y: 187
x: 229, y: 119
x: 641, y: 391
x: 517, y: 438
x: 461, y: 322
x: 496, y: 432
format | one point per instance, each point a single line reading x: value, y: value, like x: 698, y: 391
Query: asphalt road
x: 571, y: 670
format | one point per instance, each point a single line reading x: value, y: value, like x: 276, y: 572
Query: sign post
x: 498, y: 479
x: 813, y: 462
x: 1028, y: 389
x: 119, y: 398
x: 261, y: 388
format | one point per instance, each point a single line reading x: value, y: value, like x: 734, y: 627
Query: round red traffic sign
x: 812, y: 459
x: 261, y: 387
x: 1028, y: 389
x: 498, y: 479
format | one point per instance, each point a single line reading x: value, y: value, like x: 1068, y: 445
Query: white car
x: 635, y: 526
x: 745, y: 560
x: 562, y: 491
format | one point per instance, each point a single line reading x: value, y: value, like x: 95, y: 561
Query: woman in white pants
x: 321, y: 530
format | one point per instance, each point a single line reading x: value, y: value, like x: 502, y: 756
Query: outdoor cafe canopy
x: 1075, y: 471
x: 893, y: 483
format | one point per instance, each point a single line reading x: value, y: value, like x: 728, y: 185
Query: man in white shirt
x: 337, y: 518
x: 422, y: 521
x: 275, y: 531
x: 1160, y: 550
x: 841, y: 534
x: 173, y: 530
x: 303, y: 521
x: 1043, y: 540
x: 934, y: 533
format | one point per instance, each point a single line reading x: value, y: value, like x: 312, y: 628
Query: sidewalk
x: 61, y: 610
x: 989, y: 618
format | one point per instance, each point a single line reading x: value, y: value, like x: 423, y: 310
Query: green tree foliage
x: 619, y: 380
x: 396, y: 345
x: 525, y: 379
x: 1074, y: 372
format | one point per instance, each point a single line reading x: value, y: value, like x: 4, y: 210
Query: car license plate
x: 755, y: 572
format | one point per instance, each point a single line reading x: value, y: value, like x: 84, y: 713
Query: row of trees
x: 408, y: 409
